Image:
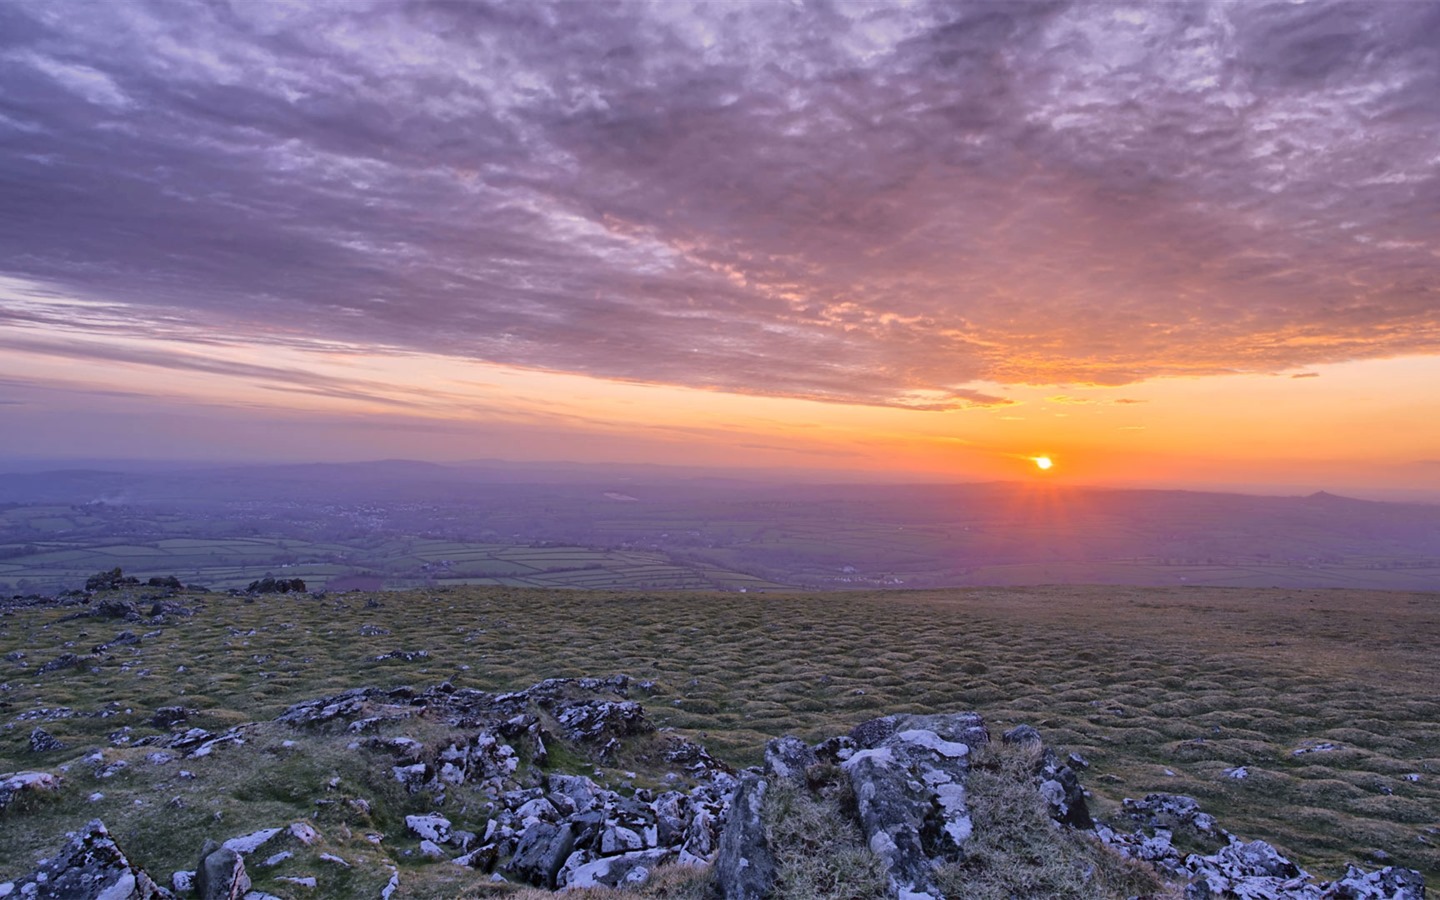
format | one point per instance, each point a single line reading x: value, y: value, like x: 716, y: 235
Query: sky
x: 1163, y: 244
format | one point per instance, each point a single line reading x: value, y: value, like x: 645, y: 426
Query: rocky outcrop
x: 1252, y: 870
x: 90, y: 867
x: 546, y: 829
x: 532, y: 787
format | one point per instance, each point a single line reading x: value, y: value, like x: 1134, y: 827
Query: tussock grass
x: 820, y: 852
x: 1016, y: 850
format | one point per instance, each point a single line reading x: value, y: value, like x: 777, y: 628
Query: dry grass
x: 1142, y: 681
x: 820, y: 852
x: 1016, y: 850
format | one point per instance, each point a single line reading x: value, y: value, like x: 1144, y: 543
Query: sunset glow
x: 1176, y: 245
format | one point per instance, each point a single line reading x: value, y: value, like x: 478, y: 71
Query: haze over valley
x: 407, y: 524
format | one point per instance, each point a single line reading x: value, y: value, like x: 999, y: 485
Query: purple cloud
x: 845, y: 202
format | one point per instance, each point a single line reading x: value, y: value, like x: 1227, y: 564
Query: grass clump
x: 819, y: 850
x: 1017, y: 851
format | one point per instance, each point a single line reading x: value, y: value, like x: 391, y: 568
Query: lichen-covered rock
x: 627, y: 870
x: 789, y: 757
x: 1060, y: 787
x: 90, y: 867
x: 540, y: 852
x: 41, y: 741
x: 1251, y: 870
x: 910, y: 795
x: 1389, y: 883
x: 220, y: 874
x: 745, y: 868
x: 432, y: 827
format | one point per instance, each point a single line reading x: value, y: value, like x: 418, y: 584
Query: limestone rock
x: 745, y: 868
x: 540, y: 852
x: 1389, y: 883
x: 41, y: 741
x: 627, y: 870
x: 220, y: 874
x: 90, y: 867
x: 63, y: 661
x: 432, y: 827
x: 788, y: 757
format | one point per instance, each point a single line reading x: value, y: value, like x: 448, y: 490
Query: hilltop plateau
x: 358, y: 744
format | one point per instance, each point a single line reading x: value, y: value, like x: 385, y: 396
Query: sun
x: 1043, y: 463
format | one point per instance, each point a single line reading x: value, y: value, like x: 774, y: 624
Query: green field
x: 47, y: 566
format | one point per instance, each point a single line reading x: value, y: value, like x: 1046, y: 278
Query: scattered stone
x: 1022, y: 735
x: 14, y: 783
x: 170, y: 716
x: 1252, y: 870
x: 1389, y: 883
x: 404, y: 655
x: 249, y: 843
x: 1239, y: 773
x: 41, y: 741
x: 63, y: 661
x: 115, y: 609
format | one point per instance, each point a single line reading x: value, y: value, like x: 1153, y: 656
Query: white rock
x: 433, y: 827
x: 249, y: 843
x: 932, y: 741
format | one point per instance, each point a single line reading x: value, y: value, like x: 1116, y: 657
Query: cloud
x: 1306, y: 375
x: 855, y: 203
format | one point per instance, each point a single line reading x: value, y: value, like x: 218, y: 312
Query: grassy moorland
x: 1160, y: 689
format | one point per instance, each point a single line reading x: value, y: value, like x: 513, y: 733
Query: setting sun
x: 1043, y: 463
